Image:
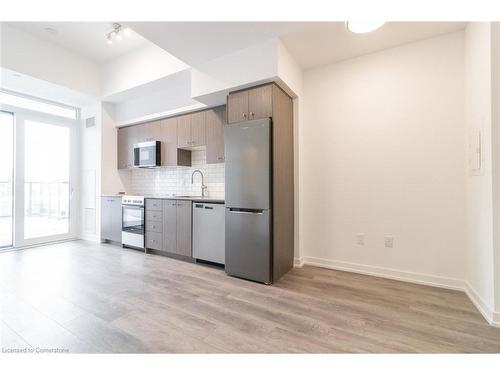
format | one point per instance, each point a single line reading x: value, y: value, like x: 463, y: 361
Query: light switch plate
x: 360, y: 239
x: 475, y: 153
x: 389, y: 241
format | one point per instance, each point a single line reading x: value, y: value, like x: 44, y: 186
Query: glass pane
x: 6, y: 175
x: 46, y: 180
x: 39, y: 106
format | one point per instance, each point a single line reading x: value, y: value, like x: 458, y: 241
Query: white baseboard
x: 496, y: 319
x: 489, y: 315
x: 388, y: 273
x: 480, y: 304
x: 90, y: 237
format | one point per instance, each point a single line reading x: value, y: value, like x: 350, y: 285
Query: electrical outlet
x: 389, y: 241
x: 360, y: 239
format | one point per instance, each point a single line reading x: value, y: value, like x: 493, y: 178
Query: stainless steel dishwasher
x: 209, y: 232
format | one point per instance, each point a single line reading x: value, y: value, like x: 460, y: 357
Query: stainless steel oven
x: 147, y: 154
x: 133, y: 221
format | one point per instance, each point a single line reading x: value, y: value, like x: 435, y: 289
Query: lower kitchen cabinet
x: 184, y: 224
x: 169, y: 228
x: 111, y: 218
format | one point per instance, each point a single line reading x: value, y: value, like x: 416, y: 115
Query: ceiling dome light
x: 360, y: 27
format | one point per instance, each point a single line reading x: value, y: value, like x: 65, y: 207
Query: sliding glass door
x: 6, y: 178
x: 43, y: 183
x: 46, y: 179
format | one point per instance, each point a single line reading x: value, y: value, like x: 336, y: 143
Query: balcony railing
x: 43, y: 199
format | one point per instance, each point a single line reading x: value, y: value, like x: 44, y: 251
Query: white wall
x: 26, y: 54
x: 173, y: 92
x: 479, y: 260
x: 137, y: 68
x: 112, y: 179
x: 261, y: 63
x: 240, y: 69
x: 382, y: 153
x: 90, y: 167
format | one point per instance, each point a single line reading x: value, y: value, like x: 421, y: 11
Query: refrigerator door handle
x: 247, y: 211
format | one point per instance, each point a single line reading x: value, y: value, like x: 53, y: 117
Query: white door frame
x: 20, y: 116
x: 3, y: 247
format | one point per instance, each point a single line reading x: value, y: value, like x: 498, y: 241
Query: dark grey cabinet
x: 111, y: 218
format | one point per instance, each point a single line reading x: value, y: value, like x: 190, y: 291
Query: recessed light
x: 50, y: 30
x: 360, y: 27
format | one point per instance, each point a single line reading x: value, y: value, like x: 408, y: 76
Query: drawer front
x: 154, y: 240
x: 154, y: 226
x: 154, y: 216
x: 153, y: 204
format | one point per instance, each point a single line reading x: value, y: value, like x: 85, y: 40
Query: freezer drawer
x: 248, y: 244
x: 208, y: 232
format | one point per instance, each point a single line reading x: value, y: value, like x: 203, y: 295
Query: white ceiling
x: 86, y: 39
x: 311, y: 43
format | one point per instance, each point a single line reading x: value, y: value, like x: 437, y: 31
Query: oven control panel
x: 133, y: 200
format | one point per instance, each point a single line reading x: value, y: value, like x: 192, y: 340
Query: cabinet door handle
x: 244, y: 115
x: 252, y: 114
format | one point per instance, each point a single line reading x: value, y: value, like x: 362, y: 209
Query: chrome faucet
x: 203, y: 186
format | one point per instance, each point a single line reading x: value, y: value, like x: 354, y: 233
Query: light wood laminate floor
x: 87, y: 297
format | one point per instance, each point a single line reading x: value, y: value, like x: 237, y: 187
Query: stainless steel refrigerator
x: 248, y: 191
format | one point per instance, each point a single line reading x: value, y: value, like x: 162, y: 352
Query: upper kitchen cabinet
x: 191, y: 130
x: 237, y: 107
x: 198, y: 129
x: 170, y: 154
x: 149, y: 131
x: 250, y: 104
x: 122, y: 143
x: 260, y: 102
x: 184, y: 131
x: 125, y: 143
x: 215, y: 120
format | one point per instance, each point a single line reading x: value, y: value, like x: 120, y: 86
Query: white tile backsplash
x: 167, y: 181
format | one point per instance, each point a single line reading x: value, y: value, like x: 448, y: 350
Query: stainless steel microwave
x: 147, y: 154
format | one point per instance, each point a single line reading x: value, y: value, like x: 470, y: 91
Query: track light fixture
x: 117, y: 33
